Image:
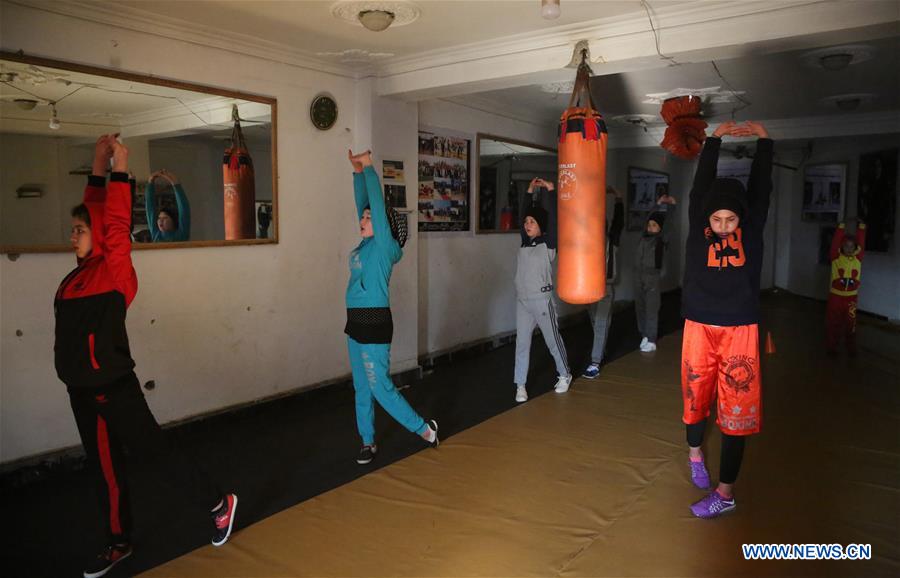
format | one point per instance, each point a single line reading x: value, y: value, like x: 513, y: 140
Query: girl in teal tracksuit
x: 165, y: 224
x: 369, y: 326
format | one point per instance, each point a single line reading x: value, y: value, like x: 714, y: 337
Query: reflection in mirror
x: 186, y: 185
x: 505, y: 168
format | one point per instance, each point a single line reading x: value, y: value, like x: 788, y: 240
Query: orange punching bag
x: 240, y: 187
x: 581, y: 201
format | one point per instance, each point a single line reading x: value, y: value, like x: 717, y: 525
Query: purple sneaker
x: 699, y: 475
x: 712, y: 506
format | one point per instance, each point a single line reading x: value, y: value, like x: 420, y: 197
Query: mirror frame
x: 158, y: 81
x: 477, y: 179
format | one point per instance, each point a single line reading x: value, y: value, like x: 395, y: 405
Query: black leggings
x: 732, y: 451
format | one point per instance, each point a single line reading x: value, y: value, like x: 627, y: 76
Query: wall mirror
x: 505, y: 168
x: 178, y: 135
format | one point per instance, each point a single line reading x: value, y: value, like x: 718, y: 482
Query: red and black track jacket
x: 91, y: 348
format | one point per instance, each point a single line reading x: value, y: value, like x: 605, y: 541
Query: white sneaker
x: 648, y: 347
x: 644, y: 342
x: 562, y: 384
x: 521, y: 394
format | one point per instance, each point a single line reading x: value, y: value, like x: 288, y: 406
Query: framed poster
x: 876, y: 198
x: 443, y: 199
x: 645, y: 186
x: 824, y: 189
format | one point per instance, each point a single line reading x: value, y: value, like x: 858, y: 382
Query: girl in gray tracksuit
x: 534, y: 290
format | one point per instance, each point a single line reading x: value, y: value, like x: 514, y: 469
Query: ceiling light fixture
x: 847, y: 104
x: 54, y: 119
x: 26, y: 103
x: 836, y: 58
x: 376, y: 20
x: 838, y: 61
x: 376, y: 15
x: 550, y: 9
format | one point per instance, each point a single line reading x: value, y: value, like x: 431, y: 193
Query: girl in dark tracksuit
x: 720, y: 365
x: 648, y: 265
x: 369, y: 326
x: 93, y: 359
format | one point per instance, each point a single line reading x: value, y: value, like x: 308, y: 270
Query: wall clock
x: 323, y: 112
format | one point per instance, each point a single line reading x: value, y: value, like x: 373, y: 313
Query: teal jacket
x: 374, y: 258
x: 183, y: 232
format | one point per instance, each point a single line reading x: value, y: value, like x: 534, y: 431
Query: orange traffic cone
x: 770, y: 345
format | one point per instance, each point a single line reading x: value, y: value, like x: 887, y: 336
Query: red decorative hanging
x: 686, y: 131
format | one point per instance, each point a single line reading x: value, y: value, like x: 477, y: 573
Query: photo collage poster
x: 443, y: 199
x: 644, y: 187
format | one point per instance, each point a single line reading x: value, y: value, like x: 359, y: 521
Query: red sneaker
x: 111, y: 555
x: 224, y: 518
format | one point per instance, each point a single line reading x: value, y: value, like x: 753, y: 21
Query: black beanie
x: 539, y: 214
x: 726, y: 194
x: 659, y: 217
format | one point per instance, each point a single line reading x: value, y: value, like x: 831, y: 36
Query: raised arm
x: 360, y: 194
x: 526, y: 200
x: 380, y: 225
x: 618, y: 220
x: 836, y: 241
x: 117, y: 221
x: 548, y: 201
x: 184, y: 212
x: 861, y: 240
x: 759, y: 185
x: 150, y: 205
x: 706, y: 171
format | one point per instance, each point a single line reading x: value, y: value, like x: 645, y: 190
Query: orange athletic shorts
x: 722, y: 363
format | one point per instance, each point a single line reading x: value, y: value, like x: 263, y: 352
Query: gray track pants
x: 646, y: 303
x: 601, y: 315
x: 540, y: 312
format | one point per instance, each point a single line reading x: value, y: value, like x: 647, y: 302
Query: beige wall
x: 213, y: 327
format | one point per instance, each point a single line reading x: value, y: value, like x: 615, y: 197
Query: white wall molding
x: 618, y: 44
x: 625, y: 43
x: 131, y: 18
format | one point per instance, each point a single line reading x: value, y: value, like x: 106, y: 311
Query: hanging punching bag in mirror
x: 240, y: 187
x: 581, y: 201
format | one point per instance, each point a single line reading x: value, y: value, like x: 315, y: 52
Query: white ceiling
x: 778, y: 86
x: 308, y: 26
x: 766, y: 64
x: 87, y: 104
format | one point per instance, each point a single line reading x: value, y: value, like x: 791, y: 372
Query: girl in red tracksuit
x: 94, y: 361
x: 846, y: 268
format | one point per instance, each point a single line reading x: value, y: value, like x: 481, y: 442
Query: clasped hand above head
x: 164, y: 174
x: 539, y: 182
x: 360, y: 161
x: 748, y: 128
x: 108, y: 147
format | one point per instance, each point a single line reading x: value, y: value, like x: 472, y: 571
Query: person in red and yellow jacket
x: 93, y: 359
x: 846, y: 268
